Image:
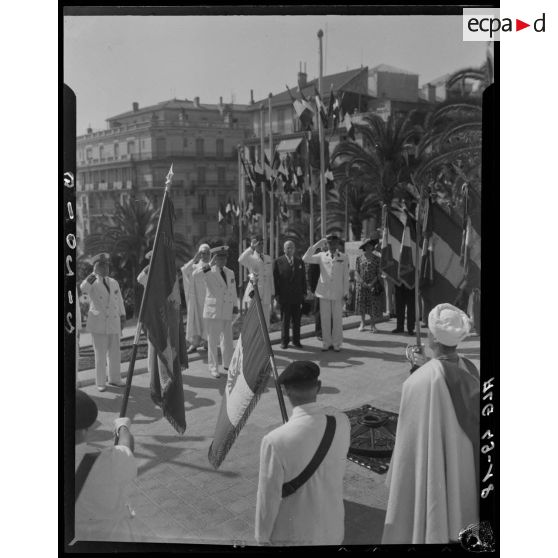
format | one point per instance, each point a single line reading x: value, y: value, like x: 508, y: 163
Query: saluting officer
x: 332, y: 289
x: 105, y: 320
x: 219, y: 306
x: 260, y: 266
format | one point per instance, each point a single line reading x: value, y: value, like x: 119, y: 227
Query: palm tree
x: 381, y: 165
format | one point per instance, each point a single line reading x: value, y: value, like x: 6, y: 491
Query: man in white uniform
x: 194, y: 291
x: 433, y: 477
x: 332, y: 288
x: 105, y: 320
x: 290, y: 509
x: 218, y: 308
x: 104, y: 480
x: 260, y: 266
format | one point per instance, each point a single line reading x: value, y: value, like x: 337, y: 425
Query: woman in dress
x: 369, y: 288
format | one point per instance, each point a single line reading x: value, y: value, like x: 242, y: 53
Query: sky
x: 112, y: 61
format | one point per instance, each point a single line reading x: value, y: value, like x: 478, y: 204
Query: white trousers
x: 107, y: 345
x: 332, y: 333
x: 219, y: 332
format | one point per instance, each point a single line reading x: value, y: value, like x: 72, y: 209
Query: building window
x: 130, y: 147
x: 101, y: 153
x: 221, y: 176
x: 202, y: 204
x: 202, y: 228
x: 184, y: 142
x: 116, y: 150
x: 89, y: 154
x: 201, y: 175
x: 161, y: 146
x: 220, y: 147
x: 199, y: 147
x: 280, y: 121
x: 103, y: 177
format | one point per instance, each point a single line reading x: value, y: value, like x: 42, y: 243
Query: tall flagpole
x: 258, y: 303
x: 240, y: 208
x: 321, y: 135
x: 264, y: 193
x: 139, y: 325
x: 308, y: 178
x: 271, y: 194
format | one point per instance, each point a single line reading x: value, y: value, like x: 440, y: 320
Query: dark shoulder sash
x: 292, y: 486
x: 83, y: 471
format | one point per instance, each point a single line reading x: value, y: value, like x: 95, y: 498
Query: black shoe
x: 112, y: 384
x: 410, y: 333
x: 284, y: 345
x: 331, y: 348
x: 298, y: 345
x: 397, y: 330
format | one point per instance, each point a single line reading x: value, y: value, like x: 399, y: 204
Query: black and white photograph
x: 273, y: 267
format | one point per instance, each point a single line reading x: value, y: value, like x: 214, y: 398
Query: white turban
x: 449, y: 325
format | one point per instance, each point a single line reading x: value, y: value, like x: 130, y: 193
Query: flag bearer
x: 332, y: 288
x: 220, y: 303
x: 105, y: 320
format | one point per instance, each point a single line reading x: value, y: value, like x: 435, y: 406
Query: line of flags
x: 449, y: 250
x: 305, y: 111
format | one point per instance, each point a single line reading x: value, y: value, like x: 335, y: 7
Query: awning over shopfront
x: 288, y: 145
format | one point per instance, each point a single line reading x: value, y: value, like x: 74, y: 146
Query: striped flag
x: 442, y: 274
x: 249, y: 371
x: 348, y: 123
x: 320, y: 106
x: 161, y: 321
x: 220, y: 214
x: 391, y: 245
x: 406, y: 268
x: 471, y: 239
x: 303, y: 110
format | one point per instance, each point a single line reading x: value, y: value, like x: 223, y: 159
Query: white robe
x: 194, y: 291
x: 101, y: 510
x: 315, y: 513
x: 432, y: 477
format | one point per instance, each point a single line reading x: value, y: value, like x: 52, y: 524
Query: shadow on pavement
x: 375, y: 342
x: 363, y: 524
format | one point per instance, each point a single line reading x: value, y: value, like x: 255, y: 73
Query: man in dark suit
x: 289, y: 276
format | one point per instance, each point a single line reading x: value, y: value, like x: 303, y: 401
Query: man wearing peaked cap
x: 260, y: 266
x: 103, y: 479
x: 194, y: 293
x: 332, y: 289
x: 105, y: 320
x: 293, y: 508
x: 437, y: 438
x: 219, y: 305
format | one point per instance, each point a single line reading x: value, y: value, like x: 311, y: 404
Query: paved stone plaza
x: 181, y: 498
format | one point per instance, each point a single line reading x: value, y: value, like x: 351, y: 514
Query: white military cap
x: 219, y: 251
x: 449, y: 325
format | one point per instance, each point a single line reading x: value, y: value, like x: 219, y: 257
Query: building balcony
x: 142, y: 126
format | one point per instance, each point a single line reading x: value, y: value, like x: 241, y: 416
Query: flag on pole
x: 248, y: 171
x: 391, y: 245
x: 320, y: 107
x: 161, y: 320
x: 347, y: 121
x: 328, y: 175
x: 333, y: 109
x: 249, y: 371
x: 471, y: 243
x: 303, y: 110
x: 406, y: 268
x: 220, y: 214
x: 442, y: 274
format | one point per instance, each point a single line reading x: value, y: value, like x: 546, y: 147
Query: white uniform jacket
x: 333, y: 283
x: 314, y: 514
x: 263, y: 268
x: 104, y: 309
x: 220, y: 298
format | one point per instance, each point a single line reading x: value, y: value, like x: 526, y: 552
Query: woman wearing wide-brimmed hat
x: 369, y: 285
